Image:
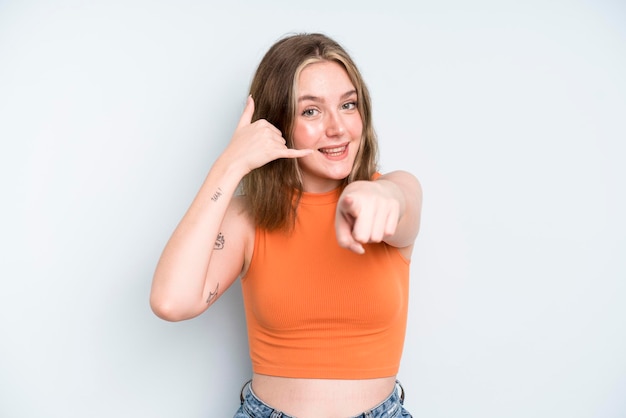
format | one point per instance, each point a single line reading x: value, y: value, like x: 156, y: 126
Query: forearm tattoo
x: 213, y: 295
x: 216, y: 195
x: 219, y: 242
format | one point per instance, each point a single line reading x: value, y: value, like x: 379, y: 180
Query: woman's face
x: 327, y: 121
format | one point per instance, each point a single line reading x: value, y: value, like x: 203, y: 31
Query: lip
x: 336, y: 152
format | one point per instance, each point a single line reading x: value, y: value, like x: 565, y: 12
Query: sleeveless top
x: 316, y: 310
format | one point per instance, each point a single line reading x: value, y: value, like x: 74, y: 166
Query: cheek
x: 305, y: 135
x: 356, y: 127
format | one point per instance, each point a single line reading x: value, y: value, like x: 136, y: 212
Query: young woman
x: 320, y: 239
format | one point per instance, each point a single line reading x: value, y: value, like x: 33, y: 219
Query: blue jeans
x: 253, y: 407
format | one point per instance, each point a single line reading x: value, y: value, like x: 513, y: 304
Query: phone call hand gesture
x: 255, y: 144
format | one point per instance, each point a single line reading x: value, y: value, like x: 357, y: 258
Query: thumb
x: 248, y: 111
x: 347, y: 205
x: 344, y: 222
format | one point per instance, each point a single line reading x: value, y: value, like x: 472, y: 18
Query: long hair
x: 272, y: 192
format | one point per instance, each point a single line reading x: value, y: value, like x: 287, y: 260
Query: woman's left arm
x: 387, y: 209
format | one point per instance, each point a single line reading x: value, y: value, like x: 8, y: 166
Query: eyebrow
x: 321, y: 100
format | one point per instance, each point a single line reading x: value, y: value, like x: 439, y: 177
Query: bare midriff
x: 314, y: 398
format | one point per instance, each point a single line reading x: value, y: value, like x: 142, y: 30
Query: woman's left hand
x: 367, y: 212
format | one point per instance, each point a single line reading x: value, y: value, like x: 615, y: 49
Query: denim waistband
x: 257, y: 408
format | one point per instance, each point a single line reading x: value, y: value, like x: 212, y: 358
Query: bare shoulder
x: 405, y: 178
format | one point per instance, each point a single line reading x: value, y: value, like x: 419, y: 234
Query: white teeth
x: 333, y: 151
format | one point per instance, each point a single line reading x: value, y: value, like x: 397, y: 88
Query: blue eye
x: 309, y: 112
x: 349, y: 106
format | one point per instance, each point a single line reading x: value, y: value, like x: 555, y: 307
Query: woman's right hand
x: 190, y: 274
x: 256, y: 144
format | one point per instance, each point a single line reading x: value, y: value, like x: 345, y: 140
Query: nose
x: 334, y: 125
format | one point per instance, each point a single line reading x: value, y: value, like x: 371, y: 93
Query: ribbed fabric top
x: 316, y: 310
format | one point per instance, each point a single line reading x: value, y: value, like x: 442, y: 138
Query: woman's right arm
x: 190, y: 274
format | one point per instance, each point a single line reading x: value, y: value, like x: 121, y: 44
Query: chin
x: 339, y: 175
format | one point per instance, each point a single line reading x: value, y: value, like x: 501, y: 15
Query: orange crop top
x: 316, y: 310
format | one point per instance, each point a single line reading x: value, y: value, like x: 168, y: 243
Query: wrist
x: 229, y: 168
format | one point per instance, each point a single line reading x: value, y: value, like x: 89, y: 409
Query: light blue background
x: 512, y: 114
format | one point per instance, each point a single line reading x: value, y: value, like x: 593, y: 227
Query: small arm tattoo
x: 219, y: 242
x: 213, y: 295
x: 216, y: 195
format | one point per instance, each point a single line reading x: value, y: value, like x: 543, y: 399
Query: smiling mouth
x: 333, y: 152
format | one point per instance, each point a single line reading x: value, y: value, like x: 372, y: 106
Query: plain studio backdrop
x: 512, y: 114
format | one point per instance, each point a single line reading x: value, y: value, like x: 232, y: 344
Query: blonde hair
x: 272, y: 192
